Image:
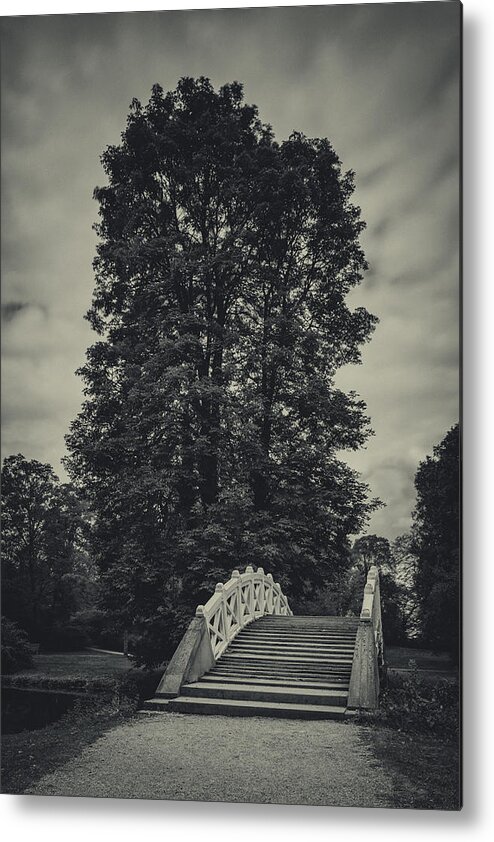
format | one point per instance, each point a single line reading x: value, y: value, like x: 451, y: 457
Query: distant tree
x: 393, y: 609
x: 435, y: 543
x: 406, y: 573
x: 369, y: 550
x: 209, y: 433
x: 45, y: 566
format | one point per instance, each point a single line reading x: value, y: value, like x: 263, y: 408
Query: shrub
x: 104, y: 629
x: 16, y: 653
x: 428, y: 707
x: 65, y: 637
x: 111, y: 638
x: 135, y: 686
x: 92, y: 620
x: 157, y: 640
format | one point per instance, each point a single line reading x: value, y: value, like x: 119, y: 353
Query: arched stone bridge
x: 245, y: 653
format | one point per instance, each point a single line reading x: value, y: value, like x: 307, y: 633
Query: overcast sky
x: 380, y: 81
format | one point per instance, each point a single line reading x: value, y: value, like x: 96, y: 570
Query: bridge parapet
x: 244, y: 598
x: 368, y: 659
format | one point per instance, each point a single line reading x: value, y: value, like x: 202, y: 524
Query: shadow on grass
x: 425, y: 769
x: 415, y: 734
x: 29, y: 755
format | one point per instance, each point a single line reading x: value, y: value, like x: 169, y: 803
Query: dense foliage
x: 418, y: 705
x: 435, y: 544
x: 209, y: 433
x: 428, y: 557
x: 46, y: 571
x: 15, y: 647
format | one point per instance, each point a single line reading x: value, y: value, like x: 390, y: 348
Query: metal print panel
x: 231, y: 441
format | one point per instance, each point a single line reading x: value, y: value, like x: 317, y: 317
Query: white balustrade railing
x: 244, y: 598
x: 371, y: 610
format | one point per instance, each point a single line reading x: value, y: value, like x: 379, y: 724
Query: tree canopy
x: 211, y: 425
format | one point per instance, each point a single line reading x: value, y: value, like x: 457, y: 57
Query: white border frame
x: 79, y: 819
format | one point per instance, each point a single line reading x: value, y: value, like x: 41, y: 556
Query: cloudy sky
x: 381, y: 81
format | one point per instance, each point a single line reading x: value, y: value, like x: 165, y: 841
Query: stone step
x: 283, y: 675
x: 327, y: 659
x: 306, y: 622
x: 300, y: 658
x: 316, y: 675
x: 300, y: 619
x: 268, y: 643
x: 313, y: 631
x: 282, y: 666
x: 291, y: 680
x: 295, y: 638
x: 299, y: 651
x: 242, y: 678
x: 241, y: 707
x: 289, y: 675
x: 265, y: 693
x: 298, y: 635
x: 317, y: 650
x: 230, y: 656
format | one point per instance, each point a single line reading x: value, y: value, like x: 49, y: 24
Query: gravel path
x: 215, y: 758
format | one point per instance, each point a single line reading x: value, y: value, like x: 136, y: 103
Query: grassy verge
x: 74, y: 665
x: 399, y: 657
x: 86, y: 672
x: 425, y: 769
x: 29, y: 755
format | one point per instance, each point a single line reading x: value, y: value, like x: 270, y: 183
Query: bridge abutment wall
x: 192, y: 659
x: 368, y: 658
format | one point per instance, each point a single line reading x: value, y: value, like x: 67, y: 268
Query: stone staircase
x: 282, y: 666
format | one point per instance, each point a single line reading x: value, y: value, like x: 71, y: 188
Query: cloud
x: 11, y: 309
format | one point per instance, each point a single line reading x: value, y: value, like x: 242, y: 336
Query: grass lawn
x: 398, y: 657
x: 425, y: 770
x: 84, y: 664
x: 70, y: 671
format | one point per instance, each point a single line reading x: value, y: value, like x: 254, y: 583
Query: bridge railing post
x: 260, y: 592
x: 237, y: 602
x: 269, y: 593
x: 249, y: 579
